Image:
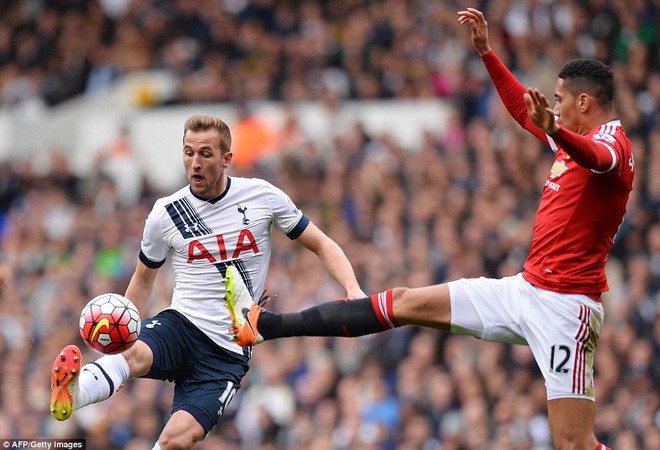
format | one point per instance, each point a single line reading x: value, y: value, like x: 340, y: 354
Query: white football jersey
x: 203, y: 236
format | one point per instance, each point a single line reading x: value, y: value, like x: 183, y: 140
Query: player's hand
x: 539, y: 111
x: 478, y: 29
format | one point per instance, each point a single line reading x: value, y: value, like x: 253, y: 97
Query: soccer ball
x: 110, y: 324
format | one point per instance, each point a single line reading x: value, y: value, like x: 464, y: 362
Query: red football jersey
x: 579, y: 215
x: 581, y: 208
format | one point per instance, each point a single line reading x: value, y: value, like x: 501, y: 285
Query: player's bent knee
x: 182, y: 431
x: 176, y: 441
x: 139, y: 359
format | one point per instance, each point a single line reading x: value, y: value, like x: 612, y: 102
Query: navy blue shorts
x: 206, y: 376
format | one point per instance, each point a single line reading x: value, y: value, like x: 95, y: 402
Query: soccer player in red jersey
x: 553, y: 305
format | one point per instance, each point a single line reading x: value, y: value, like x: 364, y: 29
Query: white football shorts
x: 561, y: 329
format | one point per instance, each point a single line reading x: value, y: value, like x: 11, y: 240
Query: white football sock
x: 98, y: 380
x: 156, y: 447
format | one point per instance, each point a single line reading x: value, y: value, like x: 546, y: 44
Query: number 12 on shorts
x: 559, y: 356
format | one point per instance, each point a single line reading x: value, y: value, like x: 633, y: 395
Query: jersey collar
x: 216, y: 199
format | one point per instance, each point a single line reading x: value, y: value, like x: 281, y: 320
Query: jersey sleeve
x: 153, y: 248
x: 511, y: 91
x: 597, y: 152
x: 286, y: 216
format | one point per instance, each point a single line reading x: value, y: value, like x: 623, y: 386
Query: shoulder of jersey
x: 607, y: 131
x: 162, y: 201
x: 248, y: 180
x: 240, y: 182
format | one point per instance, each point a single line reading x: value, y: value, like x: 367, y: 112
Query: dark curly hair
x: 589, y: 76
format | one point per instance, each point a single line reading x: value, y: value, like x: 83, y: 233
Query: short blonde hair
x: 203, y: 122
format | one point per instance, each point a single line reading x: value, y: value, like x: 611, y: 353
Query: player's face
x: 204, y: 162
x: 565, y: 106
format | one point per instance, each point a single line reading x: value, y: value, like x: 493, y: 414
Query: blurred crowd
x: 460, y: 205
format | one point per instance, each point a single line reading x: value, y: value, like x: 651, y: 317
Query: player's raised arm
x: 478, y: 29
x: 508, y: 87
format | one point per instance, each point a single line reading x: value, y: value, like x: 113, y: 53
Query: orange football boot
x: 64, y: 382
x: 243, y: 310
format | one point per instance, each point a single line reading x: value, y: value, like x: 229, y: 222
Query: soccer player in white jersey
x: 215, y: 222
x: 553, y: 305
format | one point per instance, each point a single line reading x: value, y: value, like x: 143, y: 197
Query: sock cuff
x: 105, y: 375
x: 382, y: 304
x: 119, y: 363
x: 115, y: 370
x: 100, y: 379
x: 602, y: 447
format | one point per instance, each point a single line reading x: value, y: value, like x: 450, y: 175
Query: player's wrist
x: 552, y: 129
x: 484, y: 51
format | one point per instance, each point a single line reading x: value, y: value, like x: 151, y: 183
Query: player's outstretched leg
x: 64, y: 382
x: 243, y: 310
x: 251, y: 324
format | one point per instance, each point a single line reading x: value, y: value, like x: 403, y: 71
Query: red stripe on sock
x: 382, y: 304
x: 602, y: 447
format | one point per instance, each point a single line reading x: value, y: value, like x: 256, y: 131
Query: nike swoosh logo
x: 102, y: 323
x: 247, y: 319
